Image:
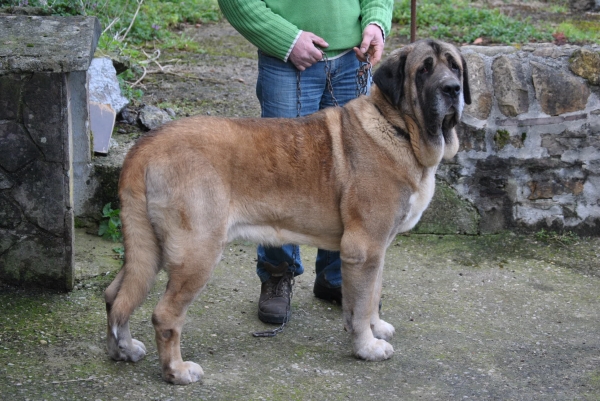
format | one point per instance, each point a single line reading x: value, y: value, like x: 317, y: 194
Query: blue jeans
x: 277, y: 91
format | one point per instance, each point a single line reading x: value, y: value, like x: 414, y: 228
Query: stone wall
x: 43, y: 112
x: 530, y: 141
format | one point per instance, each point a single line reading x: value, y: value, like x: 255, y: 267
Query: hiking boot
x: 327, y: 293
x: 275, y: 296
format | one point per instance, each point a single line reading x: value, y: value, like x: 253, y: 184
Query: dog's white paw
x: 183, y: 373
x: 383, y: 330
x: 131, y: 351
x: 374, y: 350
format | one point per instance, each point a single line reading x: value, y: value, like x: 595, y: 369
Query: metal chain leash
x: 328, y: 78
x: 363, y: 77
x: 298, y: 93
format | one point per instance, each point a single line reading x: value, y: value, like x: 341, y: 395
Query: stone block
x: 481, y: 90
x: 557, y: 91
x: 586, y: 64
x: 510, y: 86
x: 104, y: 86
x: 43, y: 64
x: 152, y: 117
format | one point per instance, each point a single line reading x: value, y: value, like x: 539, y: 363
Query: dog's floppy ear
x: 466, y: 89
x: 389, y: 78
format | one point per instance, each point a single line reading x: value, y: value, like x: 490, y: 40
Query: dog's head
x: 428, y: 81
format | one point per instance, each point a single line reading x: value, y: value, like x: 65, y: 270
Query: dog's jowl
x: 346, y: 179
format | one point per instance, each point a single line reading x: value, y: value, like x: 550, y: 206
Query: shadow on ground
x: 485, y: 318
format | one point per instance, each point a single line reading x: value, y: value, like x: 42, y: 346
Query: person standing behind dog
x: 296, y: 41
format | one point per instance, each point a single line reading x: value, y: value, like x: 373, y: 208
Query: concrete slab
x: 50, y: 44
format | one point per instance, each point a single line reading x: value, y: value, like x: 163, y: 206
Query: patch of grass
x: 580, y: 31
x: 126, y: 89
x: 502, y: 138
x: 461, y: 21
x: 152, y: 20
x: 110, y: 226
x: 565, y: 239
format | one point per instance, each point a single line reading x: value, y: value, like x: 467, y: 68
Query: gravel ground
x: 499, y: 317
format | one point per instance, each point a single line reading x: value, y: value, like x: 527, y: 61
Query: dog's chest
x: 417, y: 202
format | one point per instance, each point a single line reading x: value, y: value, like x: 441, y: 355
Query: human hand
x: 305, y: 53
x: 372, y: 44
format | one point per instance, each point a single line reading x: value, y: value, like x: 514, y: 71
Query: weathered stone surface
x: 152, y: 117
x: 45, y: 114
x: 586, y: 64
x: 547, y: 50
x: 549, y: 188
x: 557, y: 91
x: 42, y: 259
x: 492, y: 187
x: 41, y: 195
x: 471, y: 138
x: 569, y: 142
x: 5, y: 181
x: 22, y: 150
x: 481, y: 90
x: 10, y: 93
x: 57, y: 44
x: 10, y: 214
x: 448, y: 214
x: 104, y: 86
x: 510, y: 86
x: 489, y: 50
x: 43, y: 117
x: 580, y: 6
x: 7, y: 239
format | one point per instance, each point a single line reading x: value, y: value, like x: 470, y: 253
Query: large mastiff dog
x: 345, y: 179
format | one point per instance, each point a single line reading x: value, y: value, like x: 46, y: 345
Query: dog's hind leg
x: 362, y: 262
x: 131, y: 285
x: 188, y: 274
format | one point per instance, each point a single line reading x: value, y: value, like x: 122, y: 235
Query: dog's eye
x: 454, y: 66
x: 427, y: 66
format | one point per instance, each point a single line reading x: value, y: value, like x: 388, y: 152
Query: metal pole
x: 413, y: 20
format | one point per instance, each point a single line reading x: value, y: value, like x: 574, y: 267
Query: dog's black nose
x: 451, y: 89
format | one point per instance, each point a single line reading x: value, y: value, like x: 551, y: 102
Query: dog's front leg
x: 362, y: 264
x: 381, y: 329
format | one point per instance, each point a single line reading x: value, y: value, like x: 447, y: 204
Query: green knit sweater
x: 274, y: 25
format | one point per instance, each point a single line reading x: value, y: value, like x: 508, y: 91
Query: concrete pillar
x: 44, y: 143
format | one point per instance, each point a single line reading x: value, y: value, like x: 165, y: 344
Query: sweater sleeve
x: 378, y: 12
x: 260, y: 26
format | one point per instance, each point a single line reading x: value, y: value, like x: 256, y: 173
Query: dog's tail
x: 142, y: 252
